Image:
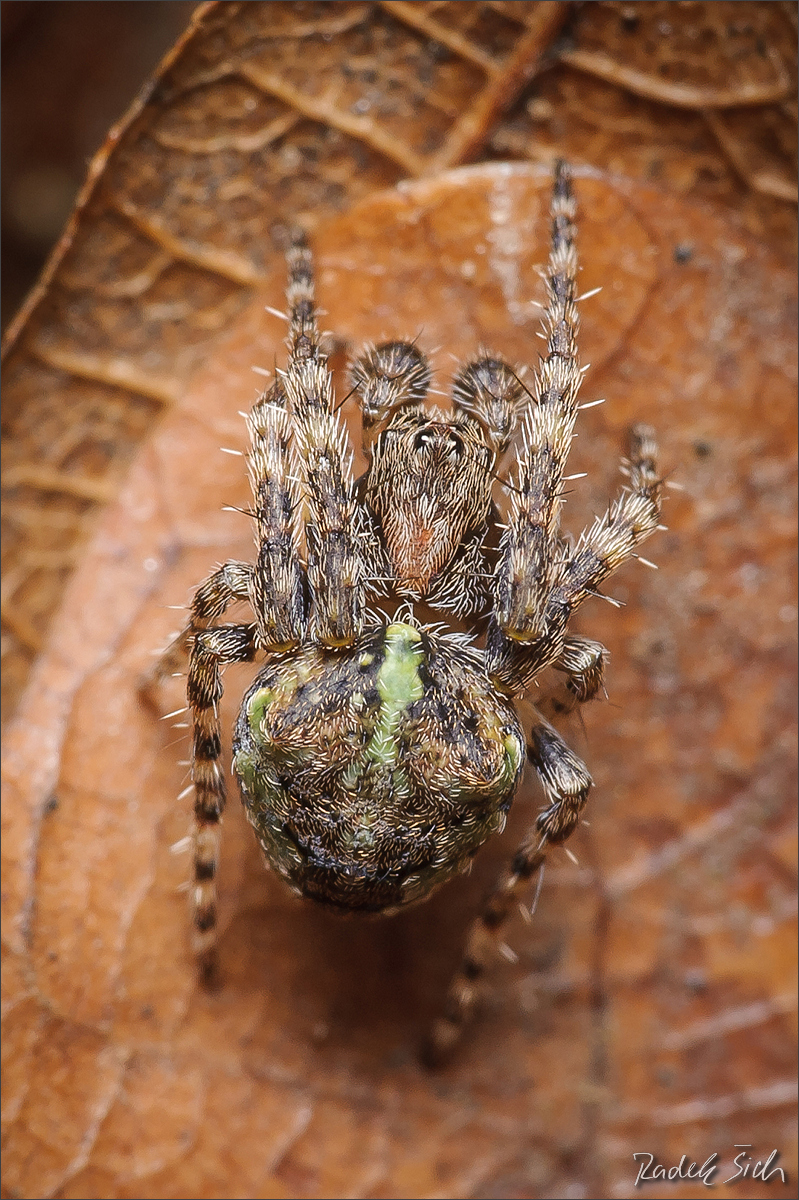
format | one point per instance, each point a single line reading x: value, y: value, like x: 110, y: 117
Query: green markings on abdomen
x: 513, y: 762
x: 399, y: 684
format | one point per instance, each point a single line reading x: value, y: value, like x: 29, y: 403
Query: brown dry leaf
x: 650, y: 1006
x: 697, y: 97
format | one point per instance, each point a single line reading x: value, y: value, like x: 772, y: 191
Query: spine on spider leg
x: 277, y: 581
x: 530, y: 550
x: 614, y: 537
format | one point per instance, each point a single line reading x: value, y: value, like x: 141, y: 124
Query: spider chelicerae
x: 402, y: 615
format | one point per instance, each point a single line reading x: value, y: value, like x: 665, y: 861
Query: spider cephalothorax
x: 376, y: 749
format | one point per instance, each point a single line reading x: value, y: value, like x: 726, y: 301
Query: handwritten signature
x: 651, y: 1171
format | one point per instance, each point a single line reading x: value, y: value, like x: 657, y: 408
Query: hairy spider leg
x: 210, y: 650
x: 208, y: 646
x: 275, y: 594
x: 530, y: 552
x: 277, y: 591
x: 336, y: 568
x: 601, y: 549
x: 274, y: 591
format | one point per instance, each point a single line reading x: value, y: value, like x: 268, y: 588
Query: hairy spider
x: 377, y: 750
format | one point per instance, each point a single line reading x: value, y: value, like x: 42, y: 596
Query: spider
x: 380, y: 745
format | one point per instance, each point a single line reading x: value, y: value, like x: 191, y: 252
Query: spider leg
x: 528, y: 628
x: 274, y: 589
x: 582, y: 660
x: 565, y: 781
x: 482, y: 941
x: 610, y: 541
x: 582, y: 663
x: 531, y: 551
x: 210, y: 650
x: 600, y: 550
x: 228, y: 584
x: 615, y: 536
x: 335, y: 562
x: 566, y: 784
x: 277, y: 581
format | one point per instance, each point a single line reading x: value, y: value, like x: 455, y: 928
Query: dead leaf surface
x: 649, y: 1008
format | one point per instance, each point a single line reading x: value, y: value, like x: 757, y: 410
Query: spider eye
x: 454, y: 446
x: 445, y: 445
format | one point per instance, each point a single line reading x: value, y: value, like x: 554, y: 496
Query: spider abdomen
x: 373, y: 774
